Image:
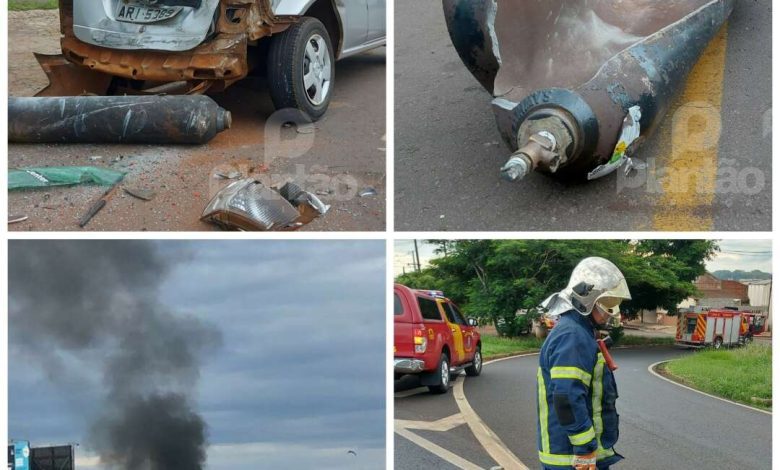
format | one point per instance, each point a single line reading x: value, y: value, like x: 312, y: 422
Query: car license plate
x: 134, y: 13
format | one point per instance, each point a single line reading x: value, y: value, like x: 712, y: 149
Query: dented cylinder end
x: 564, y: 115
x: 224, y: 120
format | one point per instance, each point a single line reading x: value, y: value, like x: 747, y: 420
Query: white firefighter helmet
x: 594, y: 281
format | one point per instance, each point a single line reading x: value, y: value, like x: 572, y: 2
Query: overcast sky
x: 299, y: 379
x: 746, y: 255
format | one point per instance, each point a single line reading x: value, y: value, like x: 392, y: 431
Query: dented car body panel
x: 584, y: 64
x: 95, y: 22
x: 205, y: 44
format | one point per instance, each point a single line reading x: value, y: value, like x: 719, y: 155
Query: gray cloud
x: 302, y: 362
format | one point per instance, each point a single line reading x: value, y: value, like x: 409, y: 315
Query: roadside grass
x: 743, y: 375
x: 20, y: 5
x: 495, y: 347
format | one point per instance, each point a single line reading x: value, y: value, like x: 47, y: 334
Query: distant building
x: 712, y: 290
x: 748, y: 295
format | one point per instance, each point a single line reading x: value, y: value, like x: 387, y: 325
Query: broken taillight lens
x: 249, y: 205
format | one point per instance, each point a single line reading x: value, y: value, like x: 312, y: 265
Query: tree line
x: 492, y: 279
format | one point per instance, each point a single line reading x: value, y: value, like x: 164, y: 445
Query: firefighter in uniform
x: 578, y: 422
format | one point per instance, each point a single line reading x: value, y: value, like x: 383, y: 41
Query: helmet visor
x: 610, y: 305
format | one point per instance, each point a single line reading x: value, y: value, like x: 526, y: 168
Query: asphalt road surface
x: 448, y: 149
x: 343, y: 156
x: 662, y: 426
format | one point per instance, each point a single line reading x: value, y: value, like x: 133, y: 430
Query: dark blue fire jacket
x: 576, y: 397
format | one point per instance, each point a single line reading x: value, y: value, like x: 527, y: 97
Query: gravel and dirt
x: 346, y: 153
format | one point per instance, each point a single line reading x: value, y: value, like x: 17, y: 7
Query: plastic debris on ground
x: 144, y: 194
x: 367, y: 192
x: 249, y: 205
x: 30, y: 178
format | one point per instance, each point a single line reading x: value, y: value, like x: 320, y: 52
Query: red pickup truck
x: 433, y: 339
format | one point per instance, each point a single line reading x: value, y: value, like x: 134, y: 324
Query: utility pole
x: 417, y: 255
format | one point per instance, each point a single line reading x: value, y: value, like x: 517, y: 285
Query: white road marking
x: 500, y: 359
x: 489, y: 440
x: 651, y: 369
x: 437, y: 450
x: 441, y: 425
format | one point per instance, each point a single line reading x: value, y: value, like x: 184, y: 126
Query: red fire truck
x: 433, y: 339
x: 700, y: 327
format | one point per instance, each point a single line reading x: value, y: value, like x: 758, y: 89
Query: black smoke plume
x: 75, y: 297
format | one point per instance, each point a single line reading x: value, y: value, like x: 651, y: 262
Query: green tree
x: 494, y: 279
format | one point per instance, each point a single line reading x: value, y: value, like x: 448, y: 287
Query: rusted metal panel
x: 221, y: 59
x: 68, y: 79
x: 583, y: 64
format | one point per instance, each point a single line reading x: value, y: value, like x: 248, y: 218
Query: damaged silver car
x: 199, y: 46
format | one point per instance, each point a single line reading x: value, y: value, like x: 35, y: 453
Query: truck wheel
x: 301, y: 68
x: 717, y: 343
x: 444, y: 376
x: 476, y: 365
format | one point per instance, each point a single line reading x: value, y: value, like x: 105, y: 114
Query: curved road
x: 663, y: 426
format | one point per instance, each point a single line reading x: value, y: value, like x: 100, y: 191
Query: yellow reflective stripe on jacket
x: 556, y: 459
x: 583, y: 438
x: 564, y: 460
x: 602, y: 454
x: 571, y: 373
x: 598, y: 393
x: 543, y: 411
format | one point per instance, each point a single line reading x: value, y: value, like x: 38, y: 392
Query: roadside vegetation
x: 743, y: 375
x: 494, y: 347
x: 502, y: 282
x: 20, y: 5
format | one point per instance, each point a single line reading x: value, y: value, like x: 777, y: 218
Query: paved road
x: 662, y: 425
x: 348, y: 148
x: 448, y: 150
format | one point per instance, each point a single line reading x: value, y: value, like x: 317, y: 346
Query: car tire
x: 476, y: 365
x: 301, y: 68
x: 717, y: 343
x: 443, y: 372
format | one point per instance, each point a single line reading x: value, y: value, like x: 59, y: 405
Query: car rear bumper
x: 221, y: 58
x: 408, y: 366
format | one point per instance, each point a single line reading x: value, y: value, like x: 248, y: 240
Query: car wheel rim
x: 478, y: 361
x: 445, y: 373
x: 317, y: 70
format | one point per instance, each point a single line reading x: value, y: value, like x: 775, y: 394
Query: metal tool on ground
x: 566, y: 75
x: 116, y: 119
x: 97, y: 207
